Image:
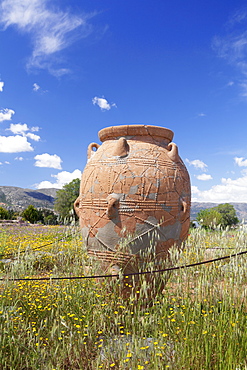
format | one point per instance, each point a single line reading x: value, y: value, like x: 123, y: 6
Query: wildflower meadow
x: 54, y: 318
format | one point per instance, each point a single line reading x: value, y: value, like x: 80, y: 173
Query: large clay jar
x: 134, y: 196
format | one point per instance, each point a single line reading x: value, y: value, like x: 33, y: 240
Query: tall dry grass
x: 197, y: 322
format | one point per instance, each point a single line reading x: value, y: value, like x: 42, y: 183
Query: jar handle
x: 112, y: 205
x: 77, y: 206
x: 184, y: 209
x: 173, y: 152
x: 90, y: 151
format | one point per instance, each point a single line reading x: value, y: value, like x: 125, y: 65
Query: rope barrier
x: 219, y: 248
x: 126, y: 275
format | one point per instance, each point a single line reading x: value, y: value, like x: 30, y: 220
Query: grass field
x: 197, y: 322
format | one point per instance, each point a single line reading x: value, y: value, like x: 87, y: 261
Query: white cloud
x: 14, y: 144
x: 238, y: 16
x: 47, y: 185
x: 63, y: 178
x: 197, y: 163
x: 1, y: 85
x: 21, y: 129
x: 233, y: 47
x: 19, y: 158
x: 204, y: 177
x: 228, y: 191
x: 201, y: 115
x: 58, y: 72
x: 240, y: 161
x: 34, y: 129
x: 194, y: 189
x: 36, y: 87
x: 51, y: 29
x: 33, y: 136
x: 7, y: 162
x: 243, y: 86
x: 18, y: 128
x: 103, y: 103
x: 6, y: 114
x: 48, y: 160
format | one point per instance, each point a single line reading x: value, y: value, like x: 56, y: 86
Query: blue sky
x: 71, y: 68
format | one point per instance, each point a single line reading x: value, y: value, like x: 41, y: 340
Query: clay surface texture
x: 134, y: 194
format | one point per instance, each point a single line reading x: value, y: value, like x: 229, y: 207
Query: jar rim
x: 113, y: 132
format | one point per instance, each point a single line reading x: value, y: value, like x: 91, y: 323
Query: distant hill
x: 19, y: 198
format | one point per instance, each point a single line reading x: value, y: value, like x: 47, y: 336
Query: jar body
x: 134, y: 194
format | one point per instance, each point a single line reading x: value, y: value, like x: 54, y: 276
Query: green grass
x: 197, y: 322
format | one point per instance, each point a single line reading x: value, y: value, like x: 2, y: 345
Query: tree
x: 48, y: 217
x: 31, y: 214
x: 223, y: 214
x: 228, y: 213
x: 209, y: 218
x: 65, y: 198
x: 12, y: 214
x: 4, y: 214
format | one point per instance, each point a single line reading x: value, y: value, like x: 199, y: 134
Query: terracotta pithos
x: 134, y: 196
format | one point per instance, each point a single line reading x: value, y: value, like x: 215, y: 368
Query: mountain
x: 19, y: 198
